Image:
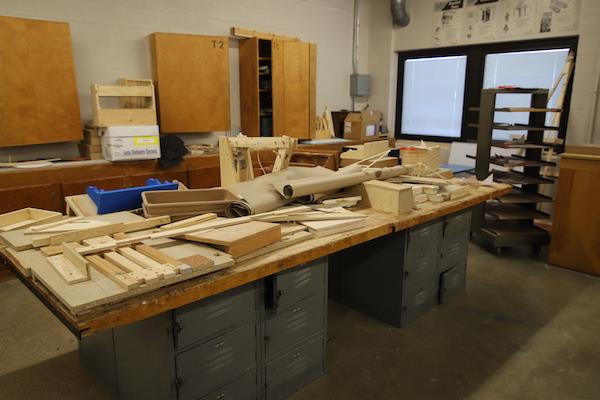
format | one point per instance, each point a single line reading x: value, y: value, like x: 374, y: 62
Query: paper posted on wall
x: 447, y: 21
x: 518, y: 17
x: 558, y: 15
x: 482, y: 19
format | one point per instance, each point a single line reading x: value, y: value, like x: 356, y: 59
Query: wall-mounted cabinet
x: 278, y: 87
x: 38, y: 94
x: 191, y: 76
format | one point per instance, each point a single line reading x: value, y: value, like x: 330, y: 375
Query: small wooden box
x: 130, y: 96
x: 429, y: 156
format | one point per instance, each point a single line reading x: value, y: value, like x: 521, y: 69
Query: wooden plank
x: 252, y: 34
x: 285, y: 241
x: 192, y: 81
x: 77, y: 236
x: 147, y: 223
x: 99, y: 240
x: 27, y: 217
x: 313, y: 216
x: 125, y: 280
x: 41, y: 227
x: 67, y: 270
x: 148, y: 275
x: 52, y: 250
x: 69, y: 227
x: 240, y: 239
x: 189, y: 221
x: 164, y: 259
x: 39, y: 101
x: 123, y: 91
x: 147, y: 262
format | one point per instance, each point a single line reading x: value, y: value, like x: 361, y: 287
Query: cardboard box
x: 362, y: 126
x: 136, y: 142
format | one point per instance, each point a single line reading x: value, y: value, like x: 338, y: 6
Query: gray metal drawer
x: 455, y: 247
x: 287, y: 329
x: 452, y: 282
x: 457, y: 222
x: 418, y: 298
x: 242, y: 389
x: 300, y: 282
x: 209, y: 366
x: 206, y: 318
x: 423, y: 236
x: 421, y: 263
x: 290, y: 372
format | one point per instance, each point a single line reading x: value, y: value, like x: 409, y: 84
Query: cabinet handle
x: 295, y: 355
x: 220, y: 344
x: 295, y: 310
x: 220, y: 396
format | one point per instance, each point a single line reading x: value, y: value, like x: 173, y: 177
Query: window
x: 437, y: 88
x: 539, y: 68
x: 433, y: 96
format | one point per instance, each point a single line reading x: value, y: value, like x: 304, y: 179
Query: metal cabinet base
x: 229, y: 346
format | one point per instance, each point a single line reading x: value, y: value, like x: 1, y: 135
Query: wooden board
x: 27, y: 217
x: 66, y: 269
x: 191, y: 74
x: 240, y: 239
x: 59, y: 238
x: 326, y: 228
x: 285, y: 241
x: 388, y: 197
x: 38, y: 99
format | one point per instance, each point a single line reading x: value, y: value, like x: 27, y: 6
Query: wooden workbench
x: 177, y: 295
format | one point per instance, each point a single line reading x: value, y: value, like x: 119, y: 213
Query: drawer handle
x: 295, y: 310
x: 296, y: 355
x: 220, y: 396
x: 219, y: 345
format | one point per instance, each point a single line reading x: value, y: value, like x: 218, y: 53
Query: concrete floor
x: 523, y: 330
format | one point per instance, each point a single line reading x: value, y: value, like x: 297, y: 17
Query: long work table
x: 258, y: 328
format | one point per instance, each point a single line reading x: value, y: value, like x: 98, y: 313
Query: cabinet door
x: 249, y: 94
x: 38, y: 93
x: 192, y: 82
x: 291, y: 95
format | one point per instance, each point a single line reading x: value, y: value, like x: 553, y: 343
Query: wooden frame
x: 27, y: 217
x: 129, y: 95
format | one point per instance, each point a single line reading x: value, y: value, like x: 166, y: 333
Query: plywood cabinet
x: 278, y: 88
x: 191, y: 74
x: 38, y: 93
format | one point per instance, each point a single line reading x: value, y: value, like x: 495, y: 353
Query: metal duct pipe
x: 399, y: 14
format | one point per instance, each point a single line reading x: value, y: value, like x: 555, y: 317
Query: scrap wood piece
x: 164, y: 259
x: 146, y: 262
x: 189, y: 221
x: 388, y: 197
x: 288, y: 229
x: 81, y: 205
x: 52, y: 250
x: 27, y: 217
x: 69, y: 250
x: 37, y: 228
x: 240, y: 239
x: 421, y: 179
x: 77, y: 235
x: 341, y: 201
x: 148, y: 275
x: 69, y: 226
x: 326, y: 228
x: 126, y: 280
x: 146, y: 223
x: 313, y: 216
x: 98, y: 240
x: 286, y: 241
x: 66, y: 269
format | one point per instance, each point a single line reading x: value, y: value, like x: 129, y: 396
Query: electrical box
x: 360, y: 85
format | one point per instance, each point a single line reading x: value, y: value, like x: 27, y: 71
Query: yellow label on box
x: 145, y: 140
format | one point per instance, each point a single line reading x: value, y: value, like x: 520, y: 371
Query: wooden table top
x: 180, y: 294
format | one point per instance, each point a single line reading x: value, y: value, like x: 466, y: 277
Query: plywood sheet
x: 191, y: 74
x: 38, y: 100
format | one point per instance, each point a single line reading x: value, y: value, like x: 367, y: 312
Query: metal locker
x: 453, y: 282
x: 418, y: 298
x: 204, y: 319
x: 204, y: 368
x: 287, y: 329
x: 454, y: 249
x: 295, y: 369
x: 298, y: 283
x: 241, y: 389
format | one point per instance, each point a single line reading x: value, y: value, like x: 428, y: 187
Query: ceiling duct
x: 399, y: 14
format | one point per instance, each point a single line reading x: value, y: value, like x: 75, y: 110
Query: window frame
x: 476, y: 54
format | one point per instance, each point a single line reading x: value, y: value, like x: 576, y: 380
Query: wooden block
x: 389, y: 197
x: 125, y: 280
x: 70, y: 252
x: 189, y: 221
x: 148, y: 275
x: 99, y: 240
x: 67, y: 270
x: 240, y: 239
x: 420, y: 198
x: 78, y: 235
x: 147, y: 223
x: 52, y: 250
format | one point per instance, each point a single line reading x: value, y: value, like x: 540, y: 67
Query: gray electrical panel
x: 360, y: 85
